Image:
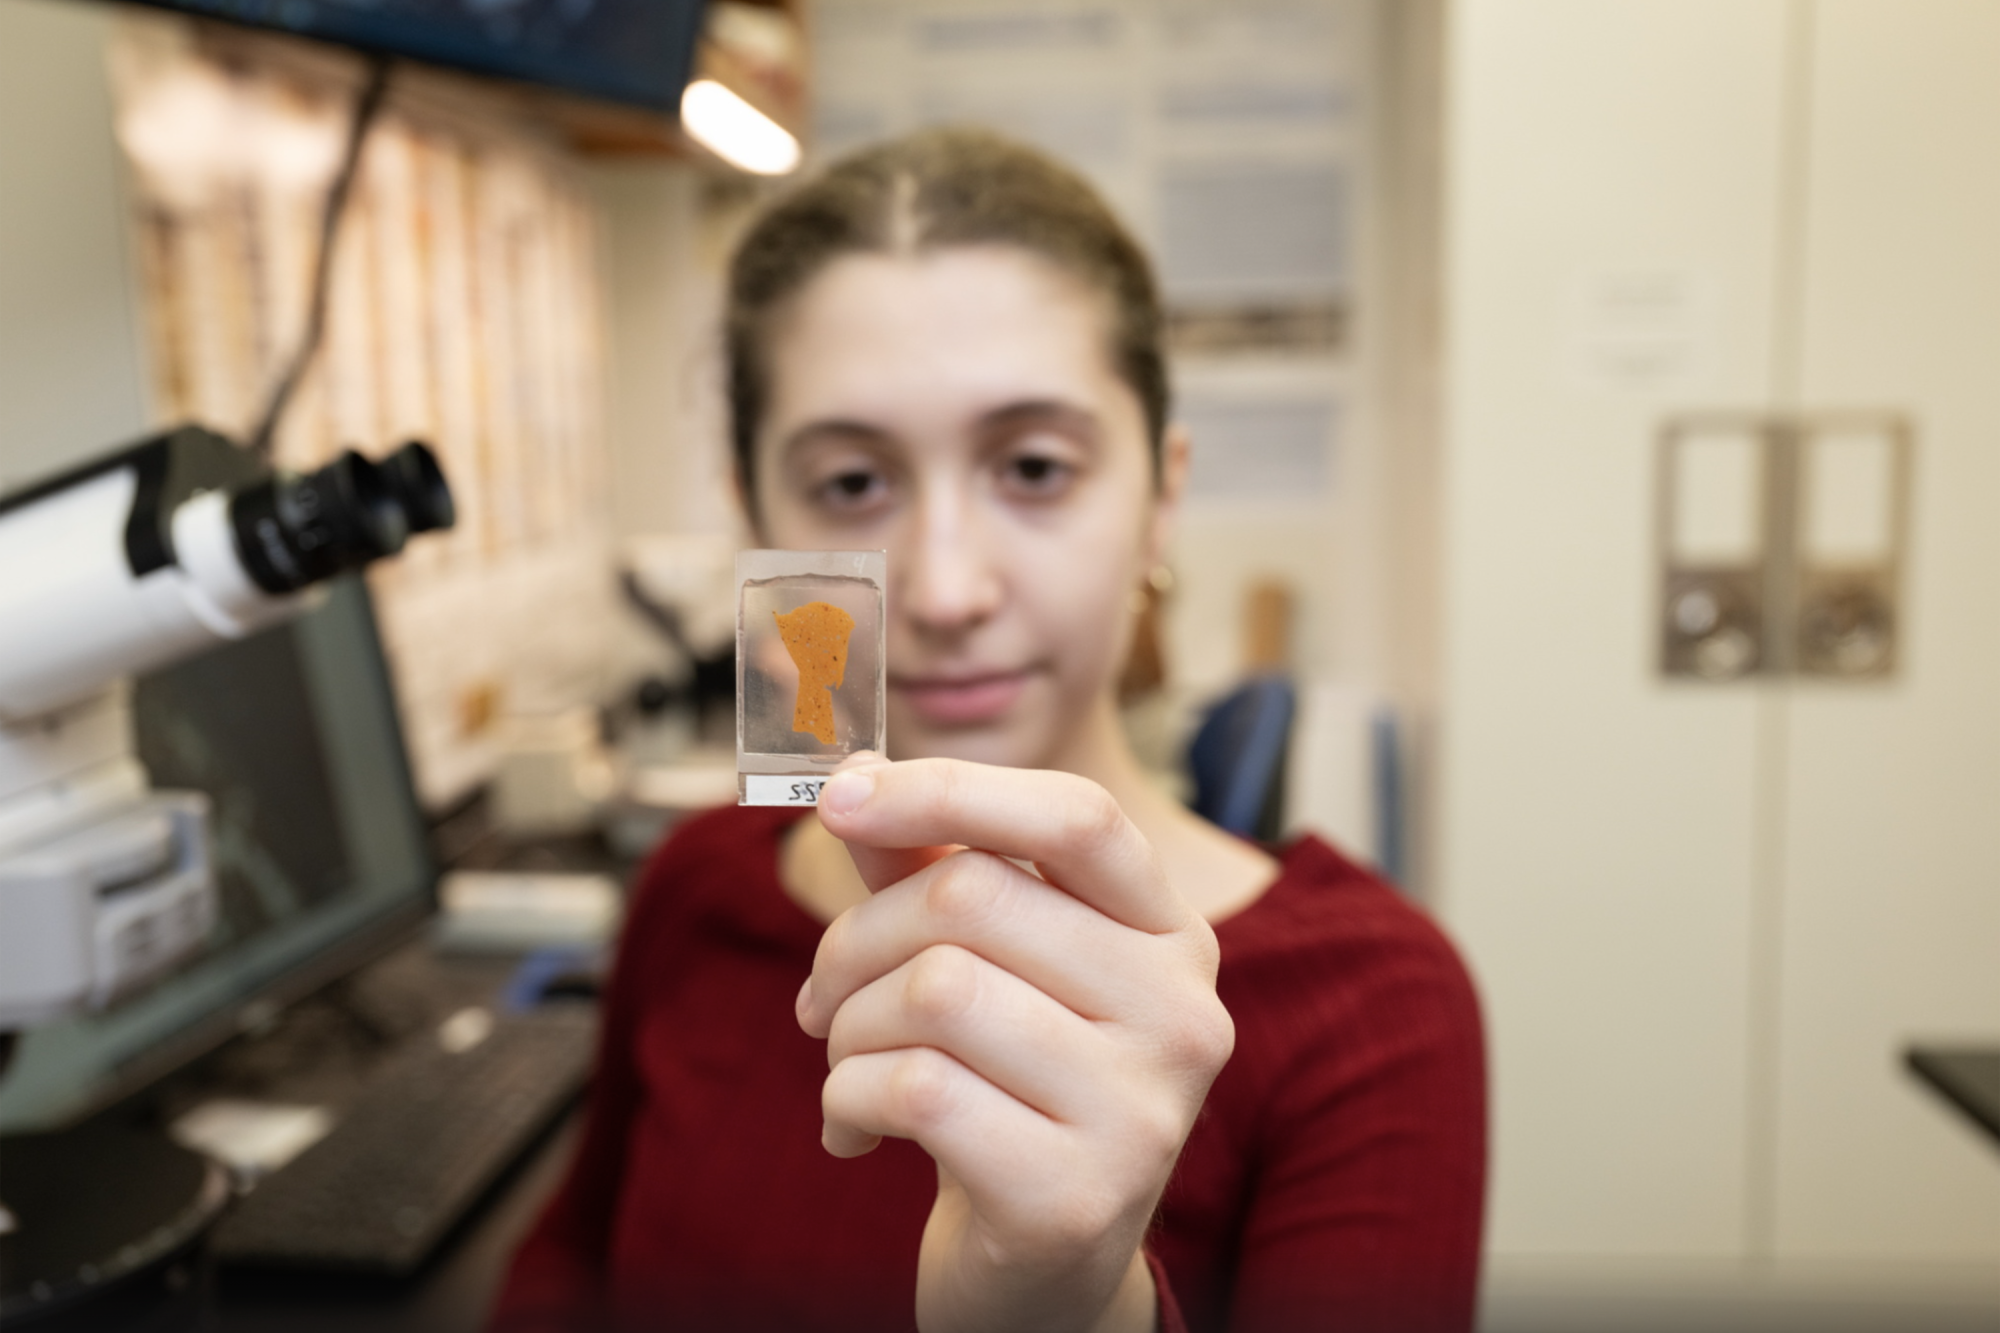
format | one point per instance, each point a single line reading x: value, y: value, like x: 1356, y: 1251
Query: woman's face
x: 958, y: 409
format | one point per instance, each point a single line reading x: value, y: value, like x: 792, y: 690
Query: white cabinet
x: 1706, y: 917
x: 1598, y: 824
x: 1889, y: 814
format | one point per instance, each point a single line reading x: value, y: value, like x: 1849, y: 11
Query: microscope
x: 146, y: 556
x: 153, y: 553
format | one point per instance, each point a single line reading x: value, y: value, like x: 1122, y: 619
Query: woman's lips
x: 949, y: 701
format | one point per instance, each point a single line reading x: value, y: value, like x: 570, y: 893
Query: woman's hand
x: 1048, y: 1039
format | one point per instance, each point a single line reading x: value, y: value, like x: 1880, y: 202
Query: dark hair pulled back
x: 925, y: 191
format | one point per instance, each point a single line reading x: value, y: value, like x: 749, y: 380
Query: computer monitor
x: 633, y: 51
x: 321, y: 850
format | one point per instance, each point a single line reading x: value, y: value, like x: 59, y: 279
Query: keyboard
x: 423, y: 1142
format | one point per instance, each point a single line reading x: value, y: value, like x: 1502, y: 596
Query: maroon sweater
x: 1334, y: 1180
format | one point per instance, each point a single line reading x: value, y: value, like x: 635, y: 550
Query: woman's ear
x: 1176, y: 456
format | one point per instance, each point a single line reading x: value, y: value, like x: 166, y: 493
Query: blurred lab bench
x: 1966, y: 1076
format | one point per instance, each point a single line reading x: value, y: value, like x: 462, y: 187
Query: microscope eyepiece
x: 418, y: 483
x: 190, y: 540
x: 294, y: 530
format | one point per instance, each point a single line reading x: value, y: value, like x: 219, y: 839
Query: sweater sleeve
x: 557, y: 1280
x: 1367, y: 1205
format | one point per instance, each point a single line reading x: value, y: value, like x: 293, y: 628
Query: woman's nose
x: 950, y: 582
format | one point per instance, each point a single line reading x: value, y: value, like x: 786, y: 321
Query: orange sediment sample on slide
x: 816, y: 636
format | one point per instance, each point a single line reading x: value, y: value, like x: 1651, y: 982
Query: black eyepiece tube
x: 293, y: 530
x: 419, y: 486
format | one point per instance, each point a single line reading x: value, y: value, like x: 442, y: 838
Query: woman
x: 1001, y: 1099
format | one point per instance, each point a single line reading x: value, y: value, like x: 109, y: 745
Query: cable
x: 365, y: 109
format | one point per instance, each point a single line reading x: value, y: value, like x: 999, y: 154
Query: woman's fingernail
x: 805, y: 999
x: 847, y: 792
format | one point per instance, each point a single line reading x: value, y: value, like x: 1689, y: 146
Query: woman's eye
x: 851, y: 488
x: 1038, y: 474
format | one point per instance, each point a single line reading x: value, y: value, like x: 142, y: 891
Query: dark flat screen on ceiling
x: 634, y: 51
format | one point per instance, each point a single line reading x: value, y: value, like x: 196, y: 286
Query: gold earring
x: 1159, y: 582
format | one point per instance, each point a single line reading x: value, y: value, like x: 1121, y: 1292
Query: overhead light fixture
x: 735, y: 131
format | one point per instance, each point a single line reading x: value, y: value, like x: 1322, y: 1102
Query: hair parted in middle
x: 926, y: 191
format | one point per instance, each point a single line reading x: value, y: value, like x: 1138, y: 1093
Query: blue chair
x: 1237, y: 758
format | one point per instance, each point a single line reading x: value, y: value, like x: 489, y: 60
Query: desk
x: 1966, y: 1076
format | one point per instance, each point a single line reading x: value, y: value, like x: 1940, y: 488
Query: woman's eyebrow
x: 832, y: 430
x: 1066, y: 418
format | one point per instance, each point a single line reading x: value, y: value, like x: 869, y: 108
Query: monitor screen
x: 319, y: 845
x: 633, y: 51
